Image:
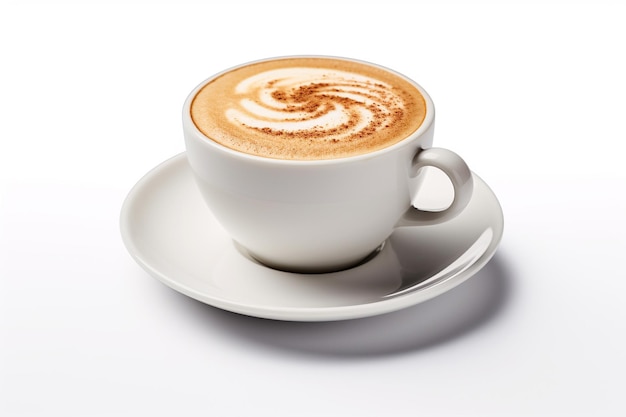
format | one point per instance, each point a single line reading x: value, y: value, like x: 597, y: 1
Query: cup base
x: 309, y: 270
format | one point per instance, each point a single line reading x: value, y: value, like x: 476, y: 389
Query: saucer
x: 170, y: 232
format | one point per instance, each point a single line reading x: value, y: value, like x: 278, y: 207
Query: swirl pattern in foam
x: 308, y: 108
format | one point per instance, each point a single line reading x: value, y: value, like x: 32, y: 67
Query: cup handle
x: 462, y: 181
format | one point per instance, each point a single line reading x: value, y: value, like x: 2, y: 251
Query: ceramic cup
x: 318, y: 216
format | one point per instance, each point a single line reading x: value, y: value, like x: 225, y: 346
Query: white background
x: 531, y: 94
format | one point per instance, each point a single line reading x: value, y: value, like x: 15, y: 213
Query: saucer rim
x: 333, y: 313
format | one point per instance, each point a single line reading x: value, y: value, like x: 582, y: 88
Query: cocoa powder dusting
x: 314, y: 100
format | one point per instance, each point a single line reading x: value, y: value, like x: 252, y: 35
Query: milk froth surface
x: 308, y: 108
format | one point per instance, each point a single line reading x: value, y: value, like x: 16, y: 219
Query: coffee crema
x: 308, y: 108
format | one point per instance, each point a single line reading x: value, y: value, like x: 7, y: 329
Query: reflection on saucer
x: 256, y: 283
x: 413, y: 273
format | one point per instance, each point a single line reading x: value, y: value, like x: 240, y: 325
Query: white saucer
x: 170, y: 232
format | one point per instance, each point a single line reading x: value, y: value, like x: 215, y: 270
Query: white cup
x: 320, y: 215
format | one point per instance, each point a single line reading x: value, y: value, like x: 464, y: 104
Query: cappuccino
x: 308, y: 108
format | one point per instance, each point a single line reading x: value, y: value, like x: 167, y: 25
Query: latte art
x: 316, y: 104
x: 308, y: 108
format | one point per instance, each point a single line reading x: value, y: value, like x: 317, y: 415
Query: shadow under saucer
x: 434, y: 322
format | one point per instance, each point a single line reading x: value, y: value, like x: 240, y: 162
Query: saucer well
x: 171, y: 233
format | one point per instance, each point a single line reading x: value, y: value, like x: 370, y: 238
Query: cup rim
x: 206, y: 141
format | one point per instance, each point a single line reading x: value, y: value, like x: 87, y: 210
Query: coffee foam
x: 308, y: 108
